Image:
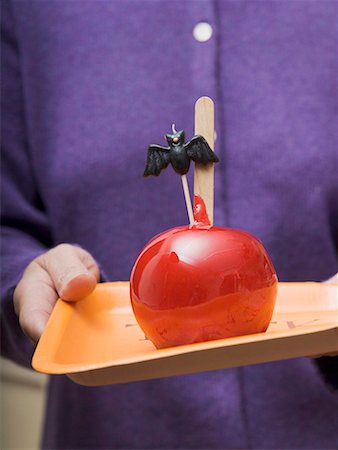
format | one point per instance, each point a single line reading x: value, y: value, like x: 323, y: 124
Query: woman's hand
x: 65, y: 271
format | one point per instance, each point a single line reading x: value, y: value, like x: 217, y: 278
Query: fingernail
x: 68, y: 275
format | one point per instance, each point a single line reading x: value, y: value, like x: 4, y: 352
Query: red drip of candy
x: 200, y: 213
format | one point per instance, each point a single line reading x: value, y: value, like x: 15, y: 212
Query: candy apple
x: 198, y: 283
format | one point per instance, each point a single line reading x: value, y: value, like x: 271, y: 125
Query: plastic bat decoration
x: 178, y: 154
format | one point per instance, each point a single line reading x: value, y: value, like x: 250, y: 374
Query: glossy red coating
x: 198, y: 283
x: 200, y: 212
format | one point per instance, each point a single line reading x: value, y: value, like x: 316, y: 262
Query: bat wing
x: 199, y: 151
x: 158, y: 159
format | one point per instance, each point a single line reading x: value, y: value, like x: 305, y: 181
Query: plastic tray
x: 97, y: 341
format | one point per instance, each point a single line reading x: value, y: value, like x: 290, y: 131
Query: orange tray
x: 97, y: 341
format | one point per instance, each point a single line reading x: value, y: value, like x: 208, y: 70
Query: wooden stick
x: 187, y: 198
x: 204, y: 175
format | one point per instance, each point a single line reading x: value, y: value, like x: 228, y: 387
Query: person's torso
x: 103, y: 80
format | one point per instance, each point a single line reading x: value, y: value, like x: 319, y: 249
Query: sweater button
x: 202, y: 31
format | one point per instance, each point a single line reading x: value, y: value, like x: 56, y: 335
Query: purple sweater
x: 87, y: 86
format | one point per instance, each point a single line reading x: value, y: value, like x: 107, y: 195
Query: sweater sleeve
x: 24, y: 232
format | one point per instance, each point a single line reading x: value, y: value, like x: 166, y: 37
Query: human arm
x: 26, y: 232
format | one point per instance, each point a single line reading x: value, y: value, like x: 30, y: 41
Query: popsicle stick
x: 187, y: 198
x: 204, y: 175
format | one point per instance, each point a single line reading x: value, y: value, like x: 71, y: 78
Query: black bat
x: 179, y: 154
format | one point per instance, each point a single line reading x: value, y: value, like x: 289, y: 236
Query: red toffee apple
x: 198, y: 283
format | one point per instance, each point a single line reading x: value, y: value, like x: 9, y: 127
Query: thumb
x: 65, y: 271
x: 73, y: 271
